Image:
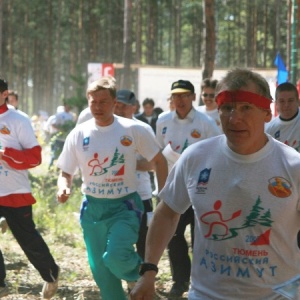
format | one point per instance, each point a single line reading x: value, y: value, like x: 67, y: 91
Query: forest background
x: 46, y: 45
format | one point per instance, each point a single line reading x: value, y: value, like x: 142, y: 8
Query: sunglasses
x: 208, y: 95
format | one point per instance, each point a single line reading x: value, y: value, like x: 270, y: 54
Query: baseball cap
x: 126, y: 97
x: 182, y: 86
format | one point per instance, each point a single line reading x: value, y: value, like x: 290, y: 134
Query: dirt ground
x: 76, y: 281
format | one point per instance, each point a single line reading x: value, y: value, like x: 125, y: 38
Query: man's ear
x: 5, y: 94
x: 269, y: 116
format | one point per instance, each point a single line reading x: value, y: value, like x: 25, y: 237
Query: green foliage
x: 64, y: 129
x: 58, y: 138
x: 46, y: 45
x: 79, y: 99
x: 61, y: 220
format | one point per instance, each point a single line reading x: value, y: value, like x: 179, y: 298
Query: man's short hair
x: 209, y: 83
x: 104, y: 83
x: 237, y: 78
x: 13, y: 93
x: 286, y: 87
x: 3, y: 85
x: 148, y: 101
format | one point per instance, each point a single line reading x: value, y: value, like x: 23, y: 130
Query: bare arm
x: 64, y: 183
x: 161, y: 230
x: 161, y: 169
x: 144, y: 165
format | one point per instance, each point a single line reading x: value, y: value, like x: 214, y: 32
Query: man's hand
x: 63, y: 195
x: 64, y: 183
x: 144, y: 288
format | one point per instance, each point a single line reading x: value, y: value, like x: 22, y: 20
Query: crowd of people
x: 227, y: 169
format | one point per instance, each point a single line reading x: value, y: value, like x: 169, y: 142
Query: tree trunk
x: 209, y: 39
x: 125, y: 80
x: 289, y: 35
x: 249, y: 31
x: 49, y: 66
x: 197, y: 32
x: 177, y: 42
x: 266, y: 24
x: 138, y: 30
x: 152, y: 32
x: 254, y: 34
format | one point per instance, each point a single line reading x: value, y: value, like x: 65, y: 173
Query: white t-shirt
x: 181, y: 133
x: 48, y: 126
x: 247, y: 216
x: 84, y: 115
x: 62, y: 117
x: 214, y: 114
x: 15, y: 132
x: 144, y: 187
x: 287, y: 132
x: 106, y: 156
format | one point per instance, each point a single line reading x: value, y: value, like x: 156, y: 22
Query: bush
x: 59, y: 221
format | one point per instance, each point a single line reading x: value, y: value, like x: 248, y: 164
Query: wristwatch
x: 147, y: 267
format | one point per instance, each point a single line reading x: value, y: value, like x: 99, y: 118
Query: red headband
x: 243, y: 96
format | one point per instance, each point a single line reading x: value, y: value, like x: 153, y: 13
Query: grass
x: 59, y: 226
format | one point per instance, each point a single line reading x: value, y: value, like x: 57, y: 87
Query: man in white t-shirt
x: 13, y: 100
x: 209, y: 106
x: 20, y: 151
x: 125, y: 107
x: 104, y: 149
x: 175, y: 132
x: 61, y: 124
x: 286, y: 126
x: 244, y: 187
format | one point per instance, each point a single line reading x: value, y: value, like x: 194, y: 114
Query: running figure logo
x: 218, y: 223
x: 95, y: 164
x: 99, y: 167
x: 219, y: 228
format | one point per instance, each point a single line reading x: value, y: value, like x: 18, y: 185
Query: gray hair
x: 240, y: 77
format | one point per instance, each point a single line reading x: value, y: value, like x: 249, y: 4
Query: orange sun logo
x: 195, y: 134
x: 4, y: 130
x: 126, y: 140
x: 279, y: 187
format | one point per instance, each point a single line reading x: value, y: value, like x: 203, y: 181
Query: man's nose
x: 235, y: 114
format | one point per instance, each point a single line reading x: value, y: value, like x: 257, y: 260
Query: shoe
x: 179, y: 288
x: 4, y: 291
x: 3, y: 225
x: 50, y: 288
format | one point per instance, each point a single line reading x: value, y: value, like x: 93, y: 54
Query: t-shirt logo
x: 86, y: 141
x: 4, y: 130
x: 195, y: 134
x: 218, y: 227
x: 280, y: 187
x: 126, y: 140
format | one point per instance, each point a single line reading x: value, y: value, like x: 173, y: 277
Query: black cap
x: 126, y: 97
x: 182, y: 86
